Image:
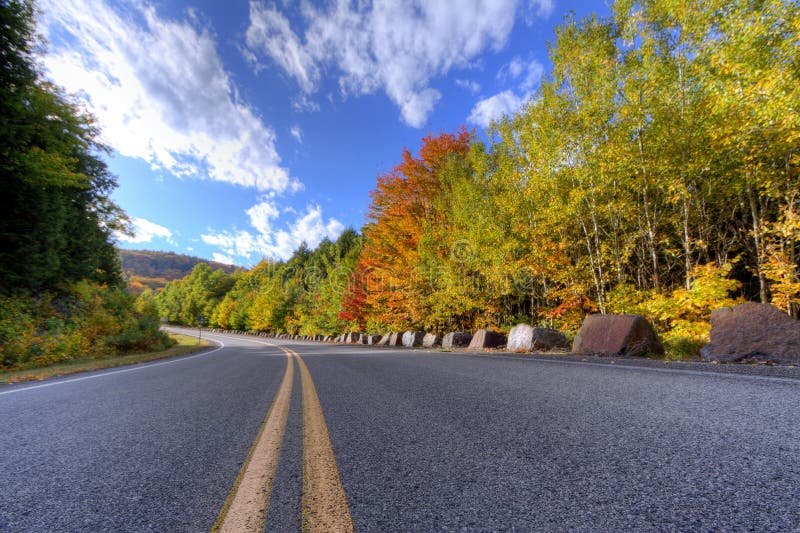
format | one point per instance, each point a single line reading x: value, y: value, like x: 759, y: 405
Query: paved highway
x: 420, y: 441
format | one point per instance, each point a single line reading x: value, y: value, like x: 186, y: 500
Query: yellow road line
x: 325, y: 507
x: 245, y: 509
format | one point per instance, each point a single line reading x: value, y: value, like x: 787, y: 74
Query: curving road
x: 423, y: 441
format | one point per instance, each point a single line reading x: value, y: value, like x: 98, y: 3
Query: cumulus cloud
x: 524, y: 75
x: 390, y: 46
x: 495, y: 107
x: 221, y: 258
x: 145, y: 231
x: 160, y: 91
x: 309, y: 227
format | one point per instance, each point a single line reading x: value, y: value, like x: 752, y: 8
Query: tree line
x: 654, y: 171
x: 61, y: 287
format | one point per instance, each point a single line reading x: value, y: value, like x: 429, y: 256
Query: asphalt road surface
x: 423, y: 441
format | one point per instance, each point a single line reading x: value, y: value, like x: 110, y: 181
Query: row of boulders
x: 746, y: 332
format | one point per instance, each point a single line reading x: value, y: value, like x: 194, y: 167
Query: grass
x: 184, y: 345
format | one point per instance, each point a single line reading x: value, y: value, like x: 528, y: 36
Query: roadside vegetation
x: 62, y: 294
x: 179, y: 345
x: 655, y: 171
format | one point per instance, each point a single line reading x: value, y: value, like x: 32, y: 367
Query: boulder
x: 525, y: 338
x: 395, y: 339
x: 430, y: 340
x: 611, y: 335
x: 327, y: 338
x: 384, y: 340
x: 486, y: 338
x: 318, y: 337
x: 413, y: 338
x: 373, y: 339
x: 456, y: 339
x: 753, y: 332
x: 353, y: 338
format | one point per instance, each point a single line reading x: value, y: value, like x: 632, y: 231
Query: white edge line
x: 112, y: 372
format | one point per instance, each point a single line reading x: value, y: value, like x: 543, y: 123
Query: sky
x: 240, y: 130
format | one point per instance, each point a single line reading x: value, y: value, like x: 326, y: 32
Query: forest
x: 147, y: 269
x: 62, y: 292
x: 655, y: 172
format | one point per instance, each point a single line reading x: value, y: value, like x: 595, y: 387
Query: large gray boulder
x: 486, y: 338
x: 413, y: 338
x: 613, y: 335
x: 456, y: 339
x: 525, y: 338
x: 753, y: 332
x: 430, y: 340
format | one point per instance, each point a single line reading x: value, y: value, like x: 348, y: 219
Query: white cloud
x: 390, y: 46
x: 542, y: 8
x: 297, y: 133
x: 494, y: 107
x: 526, y: 74
x: 261, y: 216
x: 145, y: 231
x: 221, y: 258
x: 470, y: 85
x: 309, y: 227
x: 270, y: 34
x: 160, y: 91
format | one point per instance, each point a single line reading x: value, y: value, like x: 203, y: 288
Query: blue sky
x: 241, y: 129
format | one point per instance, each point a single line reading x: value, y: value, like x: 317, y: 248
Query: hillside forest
x: 62, y: 293
x: 655, y: 171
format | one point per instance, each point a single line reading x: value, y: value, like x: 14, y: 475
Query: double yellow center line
x: 324, y: 502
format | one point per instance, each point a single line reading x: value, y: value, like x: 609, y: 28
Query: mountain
x: 145, y: 268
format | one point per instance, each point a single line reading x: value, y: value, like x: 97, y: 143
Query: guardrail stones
x: 525, y: 338
x: 430, y: 340
x: 486, y: 338
x: 754, y: 332
x: 413, y: 338
x: 353, y: 338
x: 611, y: 335
x: 456, y: 339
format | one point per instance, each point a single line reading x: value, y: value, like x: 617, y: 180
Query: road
x: 418, y: 441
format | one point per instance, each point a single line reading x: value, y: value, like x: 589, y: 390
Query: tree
x: 56, y: 217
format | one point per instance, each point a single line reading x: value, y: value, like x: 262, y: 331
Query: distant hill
x: 145, y: 268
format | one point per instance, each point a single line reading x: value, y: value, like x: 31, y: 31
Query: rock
x: 318, y: 337
x: 395, y: 339
x: 611, y: 335
x: 413, y: 338
x: 327, y: 338
x: 755, y: 332
x: 430, y: 340
x: 486, y: 338
x: 525, y: 338
x: 373, y: 339
x: 456, y: 339
x: 353, y: 338
x: 384, y: 340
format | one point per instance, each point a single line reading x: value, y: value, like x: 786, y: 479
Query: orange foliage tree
x: 387, y: 287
